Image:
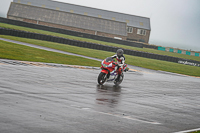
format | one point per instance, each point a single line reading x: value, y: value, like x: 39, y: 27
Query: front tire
x: 102, y: 78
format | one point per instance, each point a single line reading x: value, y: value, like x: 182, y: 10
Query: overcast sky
x: 174, y: 23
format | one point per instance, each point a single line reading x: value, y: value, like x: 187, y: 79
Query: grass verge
x: 99, y: 42
x: 194, y: 132
x: 132, y: 60
x: 19, y: 52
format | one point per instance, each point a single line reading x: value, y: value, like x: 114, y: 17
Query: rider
x: 120, y: 61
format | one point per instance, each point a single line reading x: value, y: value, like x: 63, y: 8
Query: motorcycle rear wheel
x: 120, y: 81
x: 102, y: 78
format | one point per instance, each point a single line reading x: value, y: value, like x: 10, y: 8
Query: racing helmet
x: 119, y: 52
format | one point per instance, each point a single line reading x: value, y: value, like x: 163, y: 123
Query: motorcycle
x: 109, y: 72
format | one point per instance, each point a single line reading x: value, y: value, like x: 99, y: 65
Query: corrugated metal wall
x: 131, y: 20
x: 68, y: 19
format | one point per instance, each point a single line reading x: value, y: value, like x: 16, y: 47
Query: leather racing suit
x: 120, y: 62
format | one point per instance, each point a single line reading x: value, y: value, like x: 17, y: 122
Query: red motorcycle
x: 109, y: 72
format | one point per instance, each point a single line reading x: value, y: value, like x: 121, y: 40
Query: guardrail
x: 74, y: 33
x: 24, y: 34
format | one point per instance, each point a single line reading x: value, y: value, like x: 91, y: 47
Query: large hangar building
x: 82, y: 19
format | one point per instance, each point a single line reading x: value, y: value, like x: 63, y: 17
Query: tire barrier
x: 74, y: 33
x: 17, y: 33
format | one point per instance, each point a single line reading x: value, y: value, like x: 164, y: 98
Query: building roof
x: 131, y: 20
x: 67, y: 19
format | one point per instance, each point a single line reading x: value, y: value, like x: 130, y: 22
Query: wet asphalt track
x: 53, y: 98
x: 60, y: 99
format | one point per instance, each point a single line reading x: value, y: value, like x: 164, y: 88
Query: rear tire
x: 102, y: 78
x: 120, y: 80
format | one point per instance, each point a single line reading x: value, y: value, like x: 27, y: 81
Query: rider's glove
x: 115, y: 64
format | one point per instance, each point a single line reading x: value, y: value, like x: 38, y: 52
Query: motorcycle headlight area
x: 110, y: 65
x: 104, y: 65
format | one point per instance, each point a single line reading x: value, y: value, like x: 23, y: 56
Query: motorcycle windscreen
x: 109, y: 59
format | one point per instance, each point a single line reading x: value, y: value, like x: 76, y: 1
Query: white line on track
x: 117, y: 115
x: 187, y: 131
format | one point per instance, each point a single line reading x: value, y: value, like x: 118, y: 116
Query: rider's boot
x: 119, y: 74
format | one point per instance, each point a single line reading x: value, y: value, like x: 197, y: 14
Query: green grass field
x: 100, y: 42
x: 19, y: 52
x: 13, y: 52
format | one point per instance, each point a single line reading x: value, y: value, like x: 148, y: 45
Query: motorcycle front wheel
x: 102, y: 78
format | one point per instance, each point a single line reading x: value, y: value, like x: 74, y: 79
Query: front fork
x: 107, y: 72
